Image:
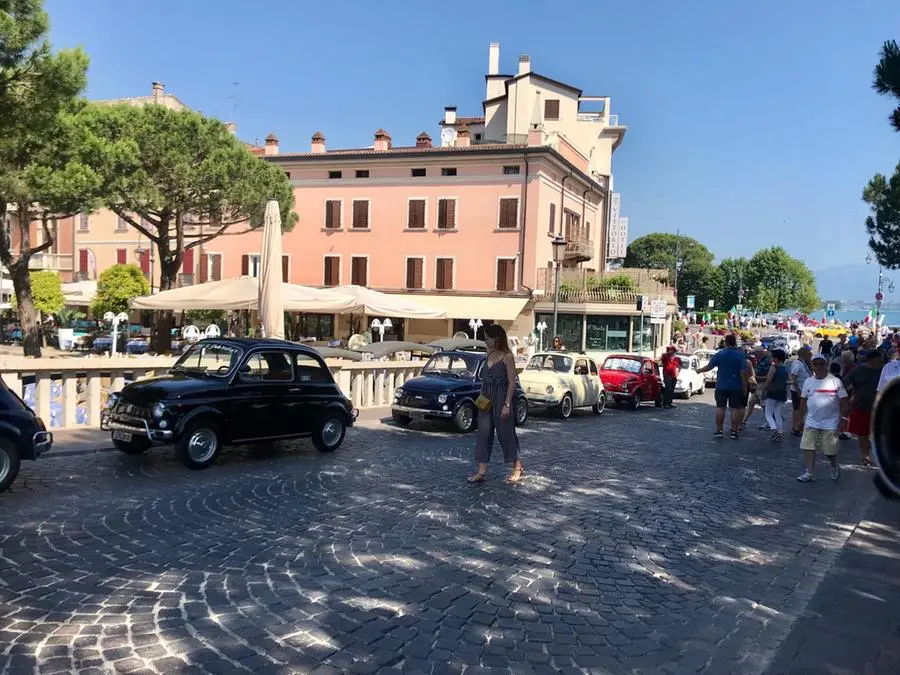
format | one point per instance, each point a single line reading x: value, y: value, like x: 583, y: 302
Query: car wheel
x: 521, y: 412
x: 9, y: 463
x: 401, y: 419
x: 199, y: 445
x: 464, y: 419
x: 600, y: 405
x: 688, y: 394
x: 134, y: 447
x: 636, y: 400
x: 565, y: 407
x: 330, y: 434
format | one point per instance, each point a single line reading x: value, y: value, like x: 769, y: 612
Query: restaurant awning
x: 475, y: 307
x: 376, y: 303
x: 79, y: 293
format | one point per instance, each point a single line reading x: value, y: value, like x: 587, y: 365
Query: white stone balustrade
x: 86, y: 382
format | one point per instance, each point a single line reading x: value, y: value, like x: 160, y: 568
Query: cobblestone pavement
x: 638, y: 543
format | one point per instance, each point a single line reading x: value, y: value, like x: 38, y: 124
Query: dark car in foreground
x: 229, y: 391
x: 22, y: 435
x: 446, y: 391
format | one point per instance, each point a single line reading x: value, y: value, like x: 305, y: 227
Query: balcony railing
x: 579, y: 247
x: 584, y: 286
x: 61, y: 262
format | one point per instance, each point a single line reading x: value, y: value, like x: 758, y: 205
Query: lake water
x: 891, y: 318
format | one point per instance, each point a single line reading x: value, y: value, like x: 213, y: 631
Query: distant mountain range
x: 853, y: 282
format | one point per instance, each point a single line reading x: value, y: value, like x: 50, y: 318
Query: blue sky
x: 749, y: 124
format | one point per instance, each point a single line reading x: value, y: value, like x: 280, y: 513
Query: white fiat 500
x: 703, y: 356
x: 689, y: 381
x: 563, y: 381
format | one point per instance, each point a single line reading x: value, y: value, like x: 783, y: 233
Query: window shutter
x: 82, y: 260
x: 187, y: 261
x: 204, y: 268
x: 245, y: 265
x: 450, y: 214
x: 359, y: 272
x: 217, y: 267
x: 551, y: 109
x: 587, y: 230
x: 333, y: 214
x: 145, y: 262
x: 121, y: 256
x: 285, y: 268
x: 329, y: 215
x: 420, y: 272
x: 552, y: 218
x: 361, y: 214
x: 410, y: 272
x: 508, y: 213
x: 444, y: 273
x: 328, y: 272
x: 416, y: 214
x: 501, y: 275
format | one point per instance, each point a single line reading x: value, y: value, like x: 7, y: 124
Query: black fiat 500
x: 446, y: 390
x: 229, y: 391
x: 22, y: 435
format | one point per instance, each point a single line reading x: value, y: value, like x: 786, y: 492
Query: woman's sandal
x: 477, y: 477
x: 517, y: 475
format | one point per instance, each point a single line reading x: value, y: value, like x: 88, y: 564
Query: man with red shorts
x: 863, y: 385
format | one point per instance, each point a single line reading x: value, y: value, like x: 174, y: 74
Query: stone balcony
x: 57, y: 262
x: 586, y: 286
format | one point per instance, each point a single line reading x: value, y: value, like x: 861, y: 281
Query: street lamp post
x: 475, y: 324
x: 559, y: 248
x: 114, y: 320
x: 381, y: 327
x: 541, y: 327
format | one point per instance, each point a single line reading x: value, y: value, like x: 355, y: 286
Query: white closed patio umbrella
x: 271, y: 288
x: 376, y: 303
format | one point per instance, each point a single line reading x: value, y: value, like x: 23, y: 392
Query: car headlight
x: 158, y: 410
x: 442, y: 398
x: 624, y: 386
x: 549, y: 388
x: 398, y: 392
x: 112, y: 400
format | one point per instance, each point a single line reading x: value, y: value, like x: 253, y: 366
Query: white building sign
x: 658, y: 309
x: 619, y: 245
x: 612, y: 236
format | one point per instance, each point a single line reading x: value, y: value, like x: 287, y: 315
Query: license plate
x: 122, y: 436
x: 417, y: 416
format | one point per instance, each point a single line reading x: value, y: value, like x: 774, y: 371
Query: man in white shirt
x: 890, y: 371
x: 825, y: 406
x: 798, y: 372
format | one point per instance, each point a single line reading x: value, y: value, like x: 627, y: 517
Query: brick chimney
x: 271, y: 145
x: 318, y: 143
x: 450, y: 114
x: 524, y: 64
x: 382, y: 141
x: 159, y: 92
x: 423, y: 140
x: 462, y: 137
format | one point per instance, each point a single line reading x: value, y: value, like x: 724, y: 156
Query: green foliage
x: 67, y: 317
x: 46, y: 289
x: 116, y: 287
x: 776, y: 281
x: 697, y: 275
x: 734, y: 274
x: 619, y: 282
x: 886, y: 80
x: 204, y: 317
x: 679, y: 326
x: 883, y: 225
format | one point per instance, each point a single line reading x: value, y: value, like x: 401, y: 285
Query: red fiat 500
x: 631, y: 379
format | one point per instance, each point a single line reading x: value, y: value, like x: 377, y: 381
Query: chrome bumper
x: 542, y: 401
x: 354, y: 414
x: 42, y: 441
x: 427, y: 412
x: 137, y: 427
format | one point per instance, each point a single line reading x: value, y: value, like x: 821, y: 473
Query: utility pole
x: 677, y: 256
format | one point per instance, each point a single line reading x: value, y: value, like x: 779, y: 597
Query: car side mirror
x: 886, y: 440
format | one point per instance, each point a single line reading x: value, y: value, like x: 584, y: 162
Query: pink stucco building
x: 463, y: 222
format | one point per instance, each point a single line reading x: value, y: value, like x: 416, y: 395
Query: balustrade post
x: 117, y: 381
x: 379, y: 389
x: 42, y: 396
x: 69, y: 399
x: 94, y: 387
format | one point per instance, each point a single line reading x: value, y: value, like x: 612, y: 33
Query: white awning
x: 376, y: 303
x: 79, y: 293
x: 475, y: 307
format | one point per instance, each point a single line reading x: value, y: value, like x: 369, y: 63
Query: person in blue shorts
x: 732, y: 378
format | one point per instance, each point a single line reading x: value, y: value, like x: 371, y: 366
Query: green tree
x: 692, y: 261
x: 887, y: 77
x: 46, y: 291
x: 883, y: 224
x: 41, y: 179
x: 734, y: 277
x: 775, y: 281
x: 176, y: 167
x: 116, y: 287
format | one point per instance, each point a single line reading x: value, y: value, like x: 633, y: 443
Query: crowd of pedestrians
x: 832, y: 391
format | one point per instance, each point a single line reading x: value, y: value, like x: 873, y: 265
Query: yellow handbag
x: 483, y: 403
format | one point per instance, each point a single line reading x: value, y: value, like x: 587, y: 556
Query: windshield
x: 461, y: 365
x: 554, y: 362
x: 684, y: 361
x: 628, y: 365
x: 209, y: 358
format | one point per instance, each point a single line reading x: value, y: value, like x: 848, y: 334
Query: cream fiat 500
x: 563, y: 382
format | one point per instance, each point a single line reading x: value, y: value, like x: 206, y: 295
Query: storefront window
x: 318, y: 326
x: 641, y: 341
x: 568, y: 328
x: 462, y: 326
x: 607, y: 333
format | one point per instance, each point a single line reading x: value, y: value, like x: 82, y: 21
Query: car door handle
x: 295, y: 390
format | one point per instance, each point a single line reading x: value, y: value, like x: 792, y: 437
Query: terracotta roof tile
x: 464, y: 120
x: 403, y: 149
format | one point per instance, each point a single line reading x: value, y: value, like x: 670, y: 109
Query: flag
x: 870, y: 317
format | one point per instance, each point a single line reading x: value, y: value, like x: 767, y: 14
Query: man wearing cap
x: 670, y: 368
x: 824, y: 404
x: 798, y: 373
x: 862, y: 385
